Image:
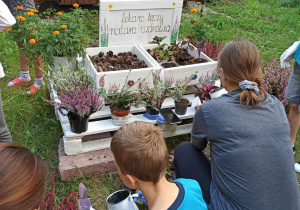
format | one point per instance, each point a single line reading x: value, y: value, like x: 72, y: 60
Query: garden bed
x: 204, y: 69
x: 118, y: 77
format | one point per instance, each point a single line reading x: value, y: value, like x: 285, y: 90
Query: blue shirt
x: 189, y: 196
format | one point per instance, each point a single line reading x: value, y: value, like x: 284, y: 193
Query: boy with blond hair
x: 142, y: 157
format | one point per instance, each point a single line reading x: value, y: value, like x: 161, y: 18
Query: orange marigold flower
x: 55, y: 32
x: 76, y: 5
x: 21, y: 7
x: 21, y: 18
x: 8, y: 29
x: 30, y: 13
x: 64, y: 26
x: 59, y: 13
x: 199, y: 2
x: 35, y: 10
x: 194, y: 10
x: 32, y: 41
x: 80, y: 39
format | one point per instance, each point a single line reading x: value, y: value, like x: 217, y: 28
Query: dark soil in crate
x: 181, y: 57
x: 121, y: 61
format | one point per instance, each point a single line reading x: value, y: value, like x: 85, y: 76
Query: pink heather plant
x: 275, y: 79
x: 81, y: 102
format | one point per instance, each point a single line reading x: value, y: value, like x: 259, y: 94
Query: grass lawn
x: 32, y: 122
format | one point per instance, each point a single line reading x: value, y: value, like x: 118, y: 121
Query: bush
x: 276, y: 79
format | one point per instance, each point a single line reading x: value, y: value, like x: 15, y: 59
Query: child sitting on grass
x: 141, y: 155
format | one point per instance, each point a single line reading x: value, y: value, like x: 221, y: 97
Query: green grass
x: 32, y: 122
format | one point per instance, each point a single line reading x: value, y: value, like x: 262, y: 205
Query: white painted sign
x: 125, y: 22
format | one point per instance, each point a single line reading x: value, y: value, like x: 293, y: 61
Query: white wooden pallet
x: 101, y: 123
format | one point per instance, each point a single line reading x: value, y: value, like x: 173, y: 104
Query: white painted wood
x: 118, y: 77
x: 105, y: 112
x: 63, y: 62
x: 204, y: 69
x: 138, y: 21
x: 102, y: 126
x: 72, y: 147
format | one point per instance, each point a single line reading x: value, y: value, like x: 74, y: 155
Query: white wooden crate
x: 204, y: 69
x: 118, y: 77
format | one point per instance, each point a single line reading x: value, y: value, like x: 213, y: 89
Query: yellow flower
x: 19, y: 7
x: 199, y: 2
x: 174, y: 4
x: 55, y: 32
x: 29, y: 13
x: 8, y: 29
x: 21, y: 18
x: 32, y: 41
x: 194, y: 10
x: 76, y: 5
x: 199, y: 22
x: 64, y: 26
x: 110, y: 6
x: 59, y: 13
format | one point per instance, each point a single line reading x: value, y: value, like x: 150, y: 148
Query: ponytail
x: 240, y: 61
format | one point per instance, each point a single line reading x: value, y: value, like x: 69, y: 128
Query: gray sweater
x: 252, y: 162
x: 4, y: 132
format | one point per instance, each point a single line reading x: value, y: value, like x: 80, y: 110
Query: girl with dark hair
x: 251, y: 165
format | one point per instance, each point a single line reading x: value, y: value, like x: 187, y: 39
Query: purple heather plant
x: 275, y: 79
x: 81, y: 102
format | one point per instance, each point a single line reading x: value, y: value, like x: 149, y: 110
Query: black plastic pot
x: 79, y: 125
x: 181, y: 109
x: 151, y: 111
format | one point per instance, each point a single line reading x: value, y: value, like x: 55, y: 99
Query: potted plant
x: 153, y: 97
x: 121, y: 101
x: 161, y: 53
x: 204, y: 95
x: 181, y: 103
x: 77, y: 97
x: 64, y: 38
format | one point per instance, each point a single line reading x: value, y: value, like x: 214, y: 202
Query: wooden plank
x: 62, y: 2
x: 102, y: 126
x: 94, y: 1
x: 105, y: 112
x: 68, y: 2
x: 105, y: 143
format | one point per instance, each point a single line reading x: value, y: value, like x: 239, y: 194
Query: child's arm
x: 6, y: 18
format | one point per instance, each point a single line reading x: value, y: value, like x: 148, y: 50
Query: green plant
x: 199, y: 30
x: 123, y: 99
x: 27, y: 31
x: 65, y: 36
x: 153, y: 96
x: 180, y: 85
x: 161, y: 51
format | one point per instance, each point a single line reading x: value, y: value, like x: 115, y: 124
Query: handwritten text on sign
x: 137, y: 26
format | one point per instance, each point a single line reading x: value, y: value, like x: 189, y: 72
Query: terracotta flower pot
x: 119, y: 112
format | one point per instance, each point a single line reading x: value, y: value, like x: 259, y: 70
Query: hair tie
x: 248, y: 85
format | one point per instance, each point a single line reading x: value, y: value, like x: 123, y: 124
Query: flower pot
x: 119, y: 116
x: 64, y: 62
x: 168, y: 64
x: 78, y: 125
x: 151, y: 111
x: 181, y: 107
